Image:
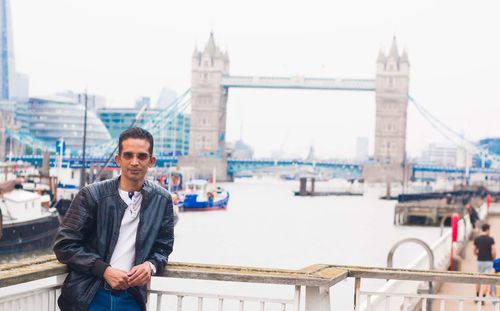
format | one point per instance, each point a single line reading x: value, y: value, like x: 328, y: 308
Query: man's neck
x: 128, y: 185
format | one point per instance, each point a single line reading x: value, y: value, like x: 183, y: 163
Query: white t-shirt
x: 124, y: 254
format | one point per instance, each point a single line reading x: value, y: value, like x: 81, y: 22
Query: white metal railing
x: 40, y: 295
x: 41, y: 300
x: 311, y: 288
x: 425, y: 300
x: 157, y: 297
x: 442, y: 253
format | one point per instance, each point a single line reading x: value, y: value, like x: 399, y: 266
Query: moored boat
x: 28, y: 222
x: 198, y: 198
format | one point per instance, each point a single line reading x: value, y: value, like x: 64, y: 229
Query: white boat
x: 27, y: 220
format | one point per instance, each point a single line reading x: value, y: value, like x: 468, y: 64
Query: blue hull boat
x: 202, y: 200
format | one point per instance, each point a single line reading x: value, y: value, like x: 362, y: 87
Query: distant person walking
x: 484, y: 249
x: 473, y: 216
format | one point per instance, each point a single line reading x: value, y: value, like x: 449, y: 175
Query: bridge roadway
x: 298, y: 82
x: 344, y: 168
x: 469, y: 265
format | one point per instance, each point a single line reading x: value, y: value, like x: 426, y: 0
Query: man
x: 116, y: 234
x: 485, y: 250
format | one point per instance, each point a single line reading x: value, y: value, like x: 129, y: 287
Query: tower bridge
x: 211, y: 82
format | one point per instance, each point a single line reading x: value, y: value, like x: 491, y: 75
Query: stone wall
x: 378, y: 172
x: 204, y: 166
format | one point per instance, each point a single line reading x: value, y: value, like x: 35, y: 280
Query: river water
x: 265, y: 225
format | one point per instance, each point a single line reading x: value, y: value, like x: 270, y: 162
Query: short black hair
x: 136, y: 132
x: 485, y: 227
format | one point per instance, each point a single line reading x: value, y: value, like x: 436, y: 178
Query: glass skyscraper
x: 7, y: 69
x: 171, y: 139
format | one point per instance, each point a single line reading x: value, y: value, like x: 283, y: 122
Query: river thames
x: 265, y: 225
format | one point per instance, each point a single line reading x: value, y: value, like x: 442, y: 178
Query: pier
x: 434, y: 209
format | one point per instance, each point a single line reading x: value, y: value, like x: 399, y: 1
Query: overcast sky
x: 124, y: 49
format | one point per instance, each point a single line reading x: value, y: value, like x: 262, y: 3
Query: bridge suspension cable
x: 456, y: 138
x: 178, y: 106
x: 150, y: 124
x: 28, y: 140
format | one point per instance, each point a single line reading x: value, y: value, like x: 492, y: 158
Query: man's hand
x: 116, y: 278
x: 139, y: 275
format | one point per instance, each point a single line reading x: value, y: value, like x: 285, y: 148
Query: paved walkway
x: 469, y: 265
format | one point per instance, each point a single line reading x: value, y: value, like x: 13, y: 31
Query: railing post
x: 296, y: 298
x: 357, y: 289
x: 317, y: 298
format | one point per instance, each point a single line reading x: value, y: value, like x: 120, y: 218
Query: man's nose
x: 135, y: 160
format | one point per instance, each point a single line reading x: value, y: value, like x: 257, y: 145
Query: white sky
x: 124, y: 49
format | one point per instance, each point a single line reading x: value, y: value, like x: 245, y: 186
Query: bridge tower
x: 208, y: 112
x: 391, y: 97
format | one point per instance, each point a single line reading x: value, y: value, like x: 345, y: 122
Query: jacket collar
x: 146, y: 189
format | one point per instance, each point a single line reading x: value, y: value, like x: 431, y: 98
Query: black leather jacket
x: 88, y: 234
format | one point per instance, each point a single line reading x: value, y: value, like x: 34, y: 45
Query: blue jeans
x: 105, y: 300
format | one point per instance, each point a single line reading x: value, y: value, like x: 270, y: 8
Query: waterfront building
x: 440, y: 155
x: 173, y: 138
x: 48, y: 119
x: 12, y: 83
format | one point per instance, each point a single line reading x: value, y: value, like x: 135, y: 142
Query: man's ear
x: 118, y: 159
x: 152, y: 161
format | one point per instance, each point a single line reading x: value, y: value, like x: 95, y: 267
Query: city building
x: 442, y: 155
x: 492, y: 145
x: 361, y: 149
x: 7, y: 124
x: 12, y: 83
x: 94, y: 102
x: 167, y: 97
x: 239, y: 150
x: 141, y: 101
x: 173, y: 138
x: 49, y: 119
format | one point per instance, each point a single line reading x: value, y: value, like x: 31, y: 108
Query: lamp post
x: 83, y: 170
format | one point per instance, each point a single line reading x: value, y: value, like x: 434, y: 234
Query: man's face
x: 135, y: 159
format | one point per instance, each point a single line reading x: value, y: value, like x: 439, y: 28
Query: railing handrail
x: 321, y: 275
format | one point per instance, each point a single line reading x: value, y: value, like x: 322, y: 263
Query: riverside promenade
x: 468, y: 264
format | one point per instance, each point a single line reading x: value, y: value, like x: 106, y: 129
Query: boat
x: 199, y: 198
x: 27, y: 221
